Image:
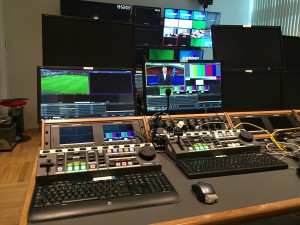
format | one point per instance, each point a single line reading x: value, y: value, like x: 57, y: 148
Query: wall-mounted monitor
x: 189, y: 28
x: 195, y: 86
x: 144, y: 15
x: 190, y: 54
x: 70, y: 41
x: 161, y: 54
x: 147, y: 36
x: 77, y: 92
x: 95, y: 10
x: 248, y: 47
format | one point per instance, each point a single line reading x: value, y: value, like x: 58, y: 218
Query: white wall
x: 23, y: 35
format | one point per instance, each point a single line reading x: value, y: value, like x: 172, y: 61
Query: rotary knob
x: 147, y: 153
x: 246, y: 136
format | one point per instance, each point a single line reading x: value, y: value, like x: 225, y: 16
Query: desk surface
x: 241, y: 197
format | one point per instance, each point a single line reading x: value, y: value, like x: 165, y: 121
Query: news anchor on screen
x: 164, y: 77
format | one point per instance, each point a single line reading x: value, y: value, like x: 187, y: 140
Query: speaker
x: 206, y: 2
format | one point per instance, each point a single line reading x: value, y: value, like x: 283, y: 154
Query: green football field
x: 65, y: 84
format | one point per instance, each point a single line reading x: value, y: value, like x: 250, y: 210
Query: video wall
x: 188, y: 28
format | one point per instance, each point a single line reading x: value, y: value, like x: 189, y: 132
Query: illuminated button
x: 76, y: 168
x: 197, y: 148
x: 201, y: 147
x: 70, y: 168
x: 59, y: 169
x: 129, y: 163
x: 190, y: 148
x: 124, y: 163
x: 118, y: 164
x: 206, y: 147
x: 115, y: 150
x: 83, y: 166
x: 92, y: 166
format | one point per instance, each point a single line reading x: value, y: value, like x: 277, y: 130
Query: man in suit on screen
x: 164, y: 77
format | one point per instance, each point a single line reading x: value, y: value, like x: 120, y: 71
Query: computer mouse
x: 204, y: 192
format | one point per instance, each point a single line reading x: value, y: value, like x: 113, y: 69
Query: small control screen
x: 117, y: 132
x: 80, y: 134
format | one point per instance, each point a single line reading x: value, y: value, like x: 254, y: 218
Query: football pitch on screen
x: 65, y: 84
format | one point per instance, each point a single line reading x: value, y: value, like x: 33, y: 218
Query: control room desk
x: 241, y: 198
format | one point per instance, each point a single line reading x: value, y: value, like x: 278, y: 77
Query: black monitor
x: 188, y: 28
x: 95, y: 10
x: 243, y: 91
x: 195, y: 86
x: 77, y: 92
x: 291, y: 46
x: 280, y: 122
x: 144, y: 15
x: 248, y: 47
x: 70, y: 41
x: 190, y: 54
x: 147, y: 36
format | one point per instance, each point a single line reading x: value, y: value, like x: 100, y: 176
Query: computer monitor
x: 291, y: 46
x: 147, y: 36
x: 95, y: 10
x: 190, y: 54
x: 188, y: 28
x: 195, y: 86
x: 161, y: 54
x: 144, y: 15
x: 73, y: 41
x: 77, y: 92
x: 248, y: 47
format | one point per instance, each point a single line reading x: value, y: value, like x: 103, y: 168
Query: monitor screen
x: 253, y: 120
x: 95, y: 10
x: 147, y: 36
x: 188, y: 28
x: 190, y: 54
x: 144, y: 15
x: 138, y: 77
x: 254, y: 47
x: 73, y: 92
x: 194, y: 86
x: 76, y: 134
x: 70, y: 41
x: 161, y: 54
x: 280, y: 122
x: 291, y: 46
x: 117, y: 132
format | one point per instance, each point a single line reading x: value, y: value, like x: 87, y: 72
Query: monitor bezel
x: 180, y: 111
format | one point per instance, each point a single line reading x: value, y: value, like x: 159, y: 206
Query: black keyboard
x: 229, y: 165
x: 76, y: 198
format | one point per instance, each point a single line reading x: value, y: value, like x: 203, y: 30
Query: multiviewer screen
x: 194, y: 86
x: 85, y: 93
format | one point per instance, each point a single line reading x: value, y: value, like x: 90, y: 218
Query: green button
x: 83, y: 167
x: 70, y: 168
x: 206, y: 147
x: 76, y: 168
x: 201, y: 148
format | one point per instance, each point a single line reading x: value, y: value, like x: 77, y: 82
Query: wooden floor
x: 15, y: 171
